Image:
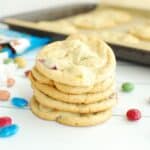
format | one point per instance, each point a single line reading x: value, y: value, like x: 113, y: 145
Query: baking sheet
x: 125, y: 52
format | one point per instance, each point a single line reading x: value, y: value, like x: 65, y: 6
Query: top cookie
x: 78, y: 61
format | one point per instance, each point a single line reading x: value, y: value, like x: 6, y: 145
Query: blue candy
x: 8, y: 131
x: 19, y: 102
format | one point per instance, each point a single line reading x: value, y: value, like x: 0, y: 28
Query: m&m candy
x: 4, y: 95
x: 5, y: 121
x: 8, y: 131
x: 19, y: 102
x: 133, y: 114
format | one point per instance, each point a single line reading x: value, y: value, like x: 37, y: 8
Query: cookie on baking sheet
x: 141, y: 31
x: 77, y: 61
x: 101, y: 19
x: 68, y: 118
x: 119, y: 37
x: 92, y: 21
x: 60, y: 26
x: 72, y: 98
x: 73, y: 89
x: 118, y: 16
x: 76, y: 108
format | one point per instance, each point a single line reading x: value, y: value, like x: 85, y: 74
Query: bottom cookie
x: 68, y: 118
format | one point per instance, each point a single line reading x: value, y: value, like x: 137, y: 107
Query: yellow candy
x: 21, y: 62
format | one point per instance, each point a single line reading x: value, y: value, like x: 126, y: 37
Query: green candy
x: 127, y: 87
x: 7, y: 61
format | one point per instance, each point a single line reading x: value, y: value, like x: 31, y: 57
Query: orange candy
x: 10, y: 82
x: 4, y: 95
x: 27, y: 73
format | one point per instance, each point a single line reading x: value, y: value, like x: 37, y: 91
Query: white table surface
x: 116, y: 134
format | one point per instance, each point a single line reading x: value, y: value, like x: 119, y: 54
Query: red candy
x: 5, y: 121
x: 133, y: 114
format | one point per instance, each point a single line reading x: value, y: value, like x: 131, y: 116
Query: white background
x: 8, y: 7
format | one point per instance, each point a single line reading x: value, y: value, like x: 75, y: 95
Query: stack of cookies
x: 73, y: 81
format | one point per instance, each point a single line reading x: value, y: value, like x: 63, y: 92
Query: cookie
x: 141, y: 31
x: 77, y: 61
x: 118, y: 16
x: 41, y: 79
x: 119, y: 37
x: 72, y: 98
x: 67, y: 118
x: 73, y: 89
x: 101, y: 19
x: 76, y: 108
x: 60, y: 26
x: 102, y: 86
x: 92, y: 21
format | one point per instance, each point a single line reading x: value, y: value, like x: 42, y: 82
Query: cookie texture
x: 40, y: 78
x: 73, y: 89
x: 73, y: 81
x: 67, y: 118
x: 76, y: 108
x: 77, y: 61
x: 73, y: 98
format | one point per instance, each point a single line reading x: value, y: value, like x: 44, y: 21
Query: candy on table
x: 21, y: 62
x: 10, y: 82
x: 5, y: 121
x: 8, y: 60
x: 7, y: 72
x: 127, y: 87
x: 19, y: 102
x: 4, y: 95
x: 133, y: 114
x: 9, y: 130
x: 27, y: 73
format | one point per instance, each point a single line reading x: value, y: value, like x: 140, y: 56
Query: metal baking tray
x: 122, y: 52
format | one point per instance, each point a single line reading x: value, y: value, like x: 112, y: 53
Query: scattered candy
x: 27, y: 73
x: 133, y: 114
x: 10, y: 82
x: 4, y: 95
x: 8, y: 131
x: 127, y: 87
x: 19, y: 102
x: 7, y: 61
x: 5, y: 121
x: 21, y: 62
